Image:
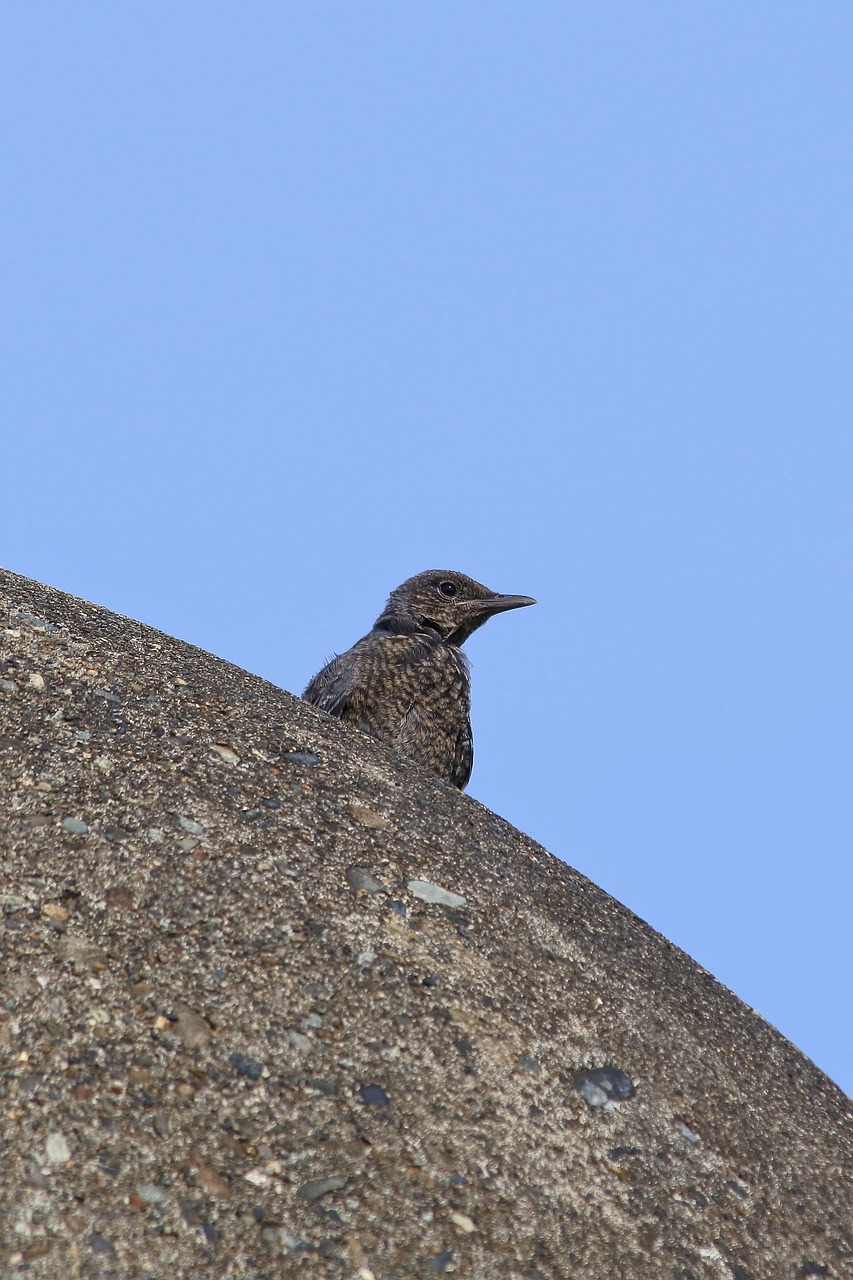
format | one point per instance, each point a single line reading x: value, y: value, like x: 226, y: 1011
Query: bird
x: 407, y: 682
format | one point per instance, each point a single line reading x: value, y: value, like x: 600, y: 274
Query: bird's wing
x: 463, y: 758
x: 331, y: 688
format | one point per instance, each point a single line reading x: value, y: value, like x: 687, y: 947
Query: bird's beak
x: 500, y: 604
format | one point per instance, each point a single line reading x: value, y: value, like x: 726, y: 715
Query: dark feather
x: 407, y: 681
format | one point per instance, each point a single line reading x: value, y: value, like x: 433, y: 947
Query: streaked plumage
x: 406, y: 682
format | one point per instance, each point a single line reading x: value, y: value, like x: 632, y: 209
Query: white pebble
x: 434, y: 893
x: 57, y: 1149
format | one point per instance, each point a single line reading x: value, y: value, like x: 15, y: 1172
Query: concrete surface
x: 278, y: 1003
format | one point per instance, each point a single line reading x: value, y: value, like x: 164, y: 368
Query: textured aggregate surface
x: 275, y: 1002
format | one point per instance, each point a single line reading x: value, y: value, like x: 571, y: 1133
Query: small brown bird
x: 407, y: 681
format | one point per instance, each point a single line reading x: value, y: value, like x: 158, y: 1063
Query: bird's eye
x: 447, y: 588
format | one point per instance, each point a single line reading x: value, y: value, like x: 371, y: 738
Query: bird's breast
x: 412, y: 685
x: 430, y: 666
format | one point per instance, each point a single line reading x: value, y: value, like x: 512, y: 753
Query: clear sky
x: 301, y: 299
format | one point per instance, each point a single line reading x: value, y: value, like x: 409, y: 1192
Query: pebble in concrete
x: 319, y: 1187
x: 246, y: 1066
x: 57, y: 1149
x: 358, y: 878
x: 434, y: 893
x: 600, y: 1085
x: 373, y: 1096
x: 194, y: 828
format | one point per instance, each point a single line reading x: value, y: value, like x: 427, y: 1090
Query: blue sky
x: 298, y: 300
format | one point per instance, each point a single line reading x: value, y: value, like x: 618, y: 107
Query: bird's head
x: 444, y: 602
